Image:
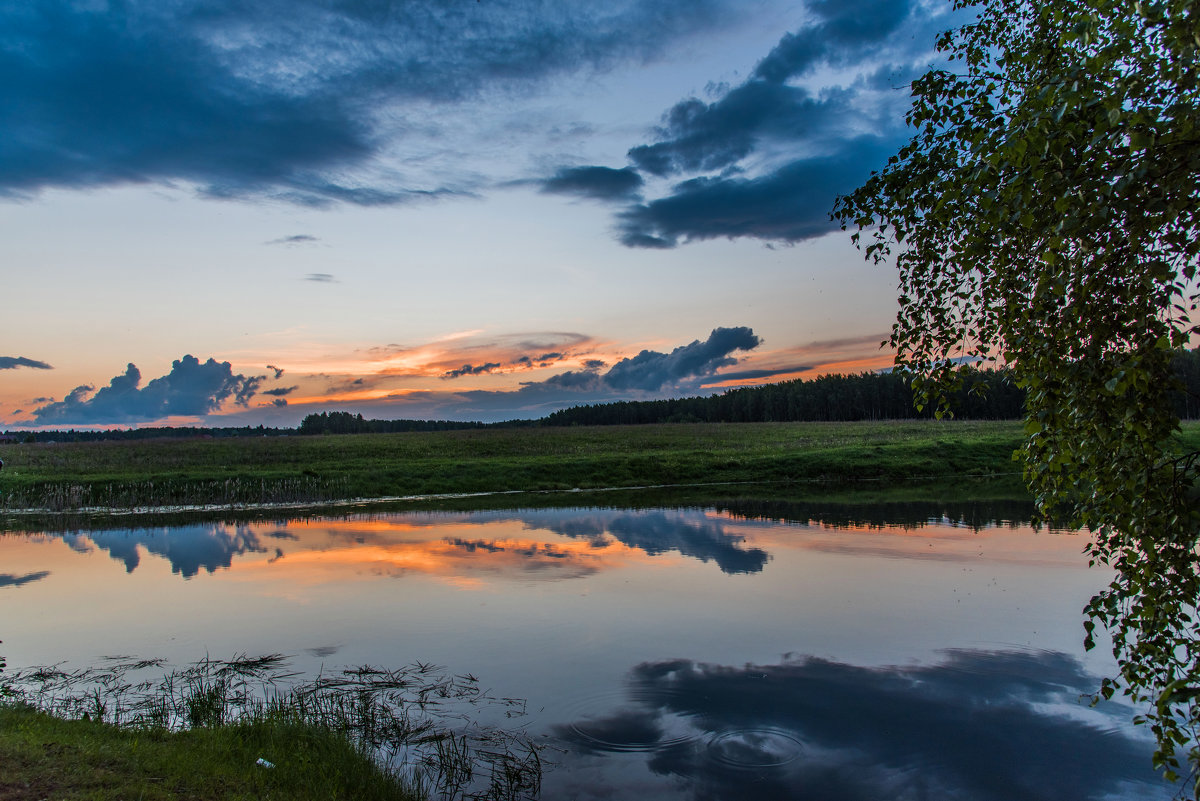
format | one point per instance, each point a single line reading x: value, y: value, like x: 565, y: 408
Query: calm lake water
x: 766, y: 651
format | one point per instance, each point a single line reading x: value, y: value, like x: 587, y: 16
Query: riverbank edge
x: 43, y: 756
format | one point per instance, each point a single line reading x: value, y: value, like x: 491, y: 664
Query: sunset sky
x: 237, y: 212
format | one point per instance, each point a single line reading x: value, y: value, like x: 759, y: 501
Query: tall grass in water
x: 422, y: 725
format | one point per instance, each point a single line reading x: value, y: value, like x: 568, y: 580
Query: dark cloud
x: 295, y: 239
x: 9, y: 580
x: 651, y: 370
x: 767, y: 157
x: 279, y: 392
x: 468, y: 369
x: 747, y: 375
x: 699, y: 136
x: 847, y: 32
x: 191, y: 388
x: 12, y: 362
x: 278, y: 370
x: 247, y: 388
x: 790, y: 204
x: 979, y: 726
x: 279, y: 402
x: 281, y: 97
x: 321, y: 278
x: 599, y: 183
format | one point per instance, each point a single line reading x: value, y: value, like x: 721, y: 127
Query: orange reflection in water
x: 457, y: 551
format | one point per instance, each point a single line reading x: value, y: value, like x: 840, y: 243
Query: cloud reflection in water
x: 583, y: 542
x: 978, y: 726
x: 208, y: 546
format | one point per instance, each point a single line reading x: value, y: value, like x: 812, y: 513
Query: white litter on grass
x: 262, y: 763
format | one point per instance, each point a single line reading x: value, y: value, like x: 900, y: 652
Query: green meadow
x: 316, y: 469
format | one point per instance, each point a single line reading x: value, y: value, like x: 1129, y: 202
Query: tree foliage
x: 1046, y: 214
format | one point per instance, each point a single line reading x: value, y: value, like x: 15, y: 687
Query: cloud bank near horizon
x: 191, y: 388
x: 212, y: 389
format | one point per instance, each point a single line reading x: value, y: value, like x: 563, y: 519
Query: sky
x: 241, y: 212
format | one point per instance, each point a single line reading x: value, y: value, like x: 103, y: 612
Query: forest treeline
x: 347, y: 423
x: 985, y: 395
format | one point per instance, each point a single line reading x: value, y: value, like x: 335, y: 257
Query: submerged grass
x: 249, y: 471
x: 200, y: 732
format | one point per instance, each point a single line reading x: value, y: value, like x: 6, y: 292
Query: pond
x: 735, y: 651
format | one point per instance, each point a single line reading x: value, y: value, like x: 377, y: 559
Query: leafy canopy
x: 1046, y: 214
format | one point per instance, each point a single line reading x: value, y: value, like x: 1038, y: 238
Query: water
x: 749, y: 652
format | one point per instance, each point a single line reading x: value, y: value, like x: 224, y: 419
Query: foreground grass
x: 315, y: 469
x: 44, y: 757
x: 199, y: 732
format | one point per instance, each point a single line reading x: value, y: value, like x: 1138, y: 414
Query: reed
x: 414, y: 732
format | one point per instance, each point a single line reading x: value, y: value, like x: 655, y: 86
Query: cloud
x: 650, y: 370
x: 279, y: 392
x: 13, y: 362
x: 321, y: 278
x: 790, y: 204
x: 599, y: 183
x: 468, y: 369
x: 292, y: 99
x: 750, y: 375
x: 649, y: 374
x: 278, y: 370
x: 191, y: 388
x: 295, y: 239
x: 766, y: 158
x: 978, y: 726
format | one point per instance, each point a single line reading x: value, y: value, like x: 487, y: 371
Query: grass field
x: 64, y: 476
x: 248, y: 471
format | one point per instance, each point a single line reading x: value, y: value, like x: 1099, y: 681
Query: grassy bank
x: 240, y: 729
x: 315, y: 469
x: 42, y: 756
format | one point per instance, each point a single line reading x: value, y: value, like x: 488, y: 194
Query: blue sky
x: 243, y: 212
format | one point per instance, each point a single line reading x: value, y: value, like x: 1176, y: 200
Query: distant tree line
x: 985, y: 395
x: 347, y: 423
